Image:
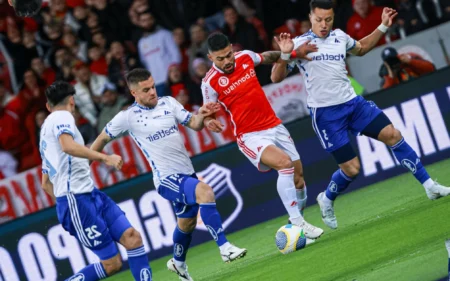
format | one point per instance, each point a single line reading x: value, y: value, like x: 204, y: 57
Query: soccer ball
x: 290, y: 238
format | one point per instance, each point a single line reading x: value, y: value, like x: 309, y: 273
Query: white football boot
x: 311, y: 231
x: 437, y: 191
x: 327, y: 211
x: 232, y: 253
x: 181, y: 271
x: 309, y: 241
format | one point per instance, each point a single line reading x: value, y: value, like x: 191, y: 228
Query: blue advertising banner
x: 36, y: 247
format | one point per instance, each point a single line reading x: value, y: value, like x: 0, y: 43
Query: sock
x: 287, y: 192
x: 339, y: 182
x: 139, y: 266
x: 301, y: 199
x: 447, y: 245
x: 92, y: 272
x: 181, y: 242
x: 409, y: 159
x: 213, y: 222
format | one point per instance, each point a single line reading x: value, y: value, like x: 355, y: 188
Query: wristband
x: 383, y: 28
x: 293, y: 54
x: 285, y: 56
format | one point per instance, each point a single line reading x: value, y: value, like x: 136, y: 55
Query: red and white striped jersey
x: 241, y: 95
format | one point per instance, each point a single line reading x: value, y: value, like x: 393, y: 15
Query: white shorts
x: 253, y: 145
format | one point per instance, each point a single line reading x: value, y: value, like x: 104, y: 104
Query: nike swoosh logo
x: 179, y: 274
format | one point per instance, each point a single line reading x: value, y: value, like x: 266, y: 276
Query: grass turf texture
x: 387, y: 231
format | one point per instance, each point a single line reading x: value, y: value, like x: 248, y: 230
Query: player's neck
x: 61, y: 108
x: 143, y: 106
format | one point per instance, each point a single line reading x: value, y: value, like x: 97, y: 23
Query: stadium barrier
x: 21, y: 195
x: 36, y: 247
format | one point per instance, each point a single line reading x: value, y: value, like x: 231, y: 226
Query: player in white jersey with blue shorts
x: 84, y: 211
x: 153, y: 122
x: 335, y: 108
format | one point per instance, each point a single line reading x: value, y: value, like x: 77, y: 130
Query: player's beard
x: 230, y: 70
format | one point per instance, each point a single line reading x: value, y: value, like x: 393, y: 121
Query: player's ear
x: 48, y: 107
x: 210, y: 57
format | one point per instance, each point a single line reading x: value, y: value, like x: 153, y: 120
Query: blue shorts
x: 180, y: 190
x: 333, y: 123
x: 94, y: 219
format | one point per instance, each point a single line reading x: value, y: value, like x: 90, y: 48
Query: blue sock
x: 181, y: 242
x: 139, y: 266
x: 213, y: 222
x: 92, y: 272
x: 339, y: 182
x: 409, y: 159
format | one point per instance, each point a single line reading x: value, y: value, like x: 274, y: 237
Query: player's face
x: 145, y: 93
x: 223, y: 59
x: 321, y: 21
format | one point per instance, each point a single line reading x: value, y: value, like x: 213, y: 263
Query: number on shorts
x: 92, y: 232
x: 176, y: 178
x: 325, y: 136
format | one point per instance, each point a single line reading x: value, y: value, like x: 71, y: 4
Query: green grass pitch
x: 387, y: 231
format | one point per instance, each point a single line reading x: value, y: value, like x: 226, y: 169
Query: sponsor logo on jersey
x: 245, y: 66
x: 239, y: 81
x: 328, y: 57
x: 223, y: 81
x: 137, y: 111
x: 77, y: 277
x: 63, y: 126
x: 336, y: 41
x: 162, y: 133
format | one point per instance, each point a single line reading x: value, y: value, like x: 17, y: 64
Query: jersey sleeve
x: 350, y: 43
x: 209, y: 94
x: 182, y: 115
x: 118, y: 125
x: 64, y: 124
x: 257, y: 58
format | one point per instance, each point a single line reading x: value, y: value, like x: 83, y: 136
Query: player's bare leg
x: 137, y: 257
x: 182, y: 237
x: 277, y: 159
x: 300, y: 186
x: 409, y: 159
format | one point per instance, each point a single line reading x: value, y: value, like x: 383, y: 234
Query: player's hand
x: 209, y: 109
x: 305, y: 49
x: 387, y: 18
x: 214, y: 125
x: 114, y: 160
x: 404, y: 58
x: 285, y: 42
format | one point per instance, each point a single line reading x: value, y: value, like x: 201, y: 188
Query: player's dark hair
x: 58, y: 92
x: 27, y: 8
x: 217, y: 41
x: 137, y: 75
x: 321, y: 4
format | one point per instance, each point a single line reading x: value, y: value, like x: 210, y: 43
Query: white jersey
x: 66, y: 173
x: 325, y: 76
x: 155, y: 131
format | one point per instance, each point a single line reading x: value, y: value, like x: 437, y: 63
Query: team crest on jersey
x: 223, y: 81
x: 219, y: 178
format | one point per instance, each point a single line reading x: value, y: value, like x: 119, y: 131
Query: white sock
x: 179, y: 263
x: 428, y: 183
x: 301, y: 198
x: 224, y: 246
x: 447, y: 245
x: 288, y: 195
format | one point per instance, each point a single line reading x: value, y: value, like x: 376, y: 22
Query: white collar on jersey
x: 143, y: 107
x: 311, y: 33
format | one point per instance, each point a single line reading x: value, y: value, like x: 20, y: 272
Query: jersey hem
x: 333, y: 104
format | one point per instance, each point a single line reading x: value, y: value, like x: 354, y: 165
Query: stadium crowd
x: 93, y: 43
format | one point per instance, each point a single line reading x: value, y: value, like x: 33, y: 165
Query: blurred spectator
x: 180, y: 40
x: 77, y: 48
x: 8, y: 164
x: 445, y: 5
x: 99, y: 40
x: 98, y: 64
x: 87, y: 131
x: 29, y: 42
x: 39, y: 119
x: 157, y: 51
x: 241, y: 34
x: 89, y: 88
x: 59, y: 12
x: 401, y: 68
x: 15, y: 49
x: 63, y: 62
x: 408, y: 17
x: 199, y: 47
x: 110, y: 18
x: 5, y: 96
x: 120, y: 62
x: 111, y: 104
x: 364, y: 20
x: 45, y: 73
x: 180, y: 93
x: 200, y: 67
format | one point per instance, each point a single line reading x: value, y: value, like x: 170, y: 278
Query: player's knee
x: 187, y: 224
x: 113, y: 265
x: 132, y: 239
x: 353, y: 169
x: 390, y: 135
x: 204, y: 193
x: 284, y: 162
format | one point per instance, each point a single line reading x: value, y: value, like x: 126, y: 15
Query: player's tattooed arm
x: 270, y: 57
x: 47, y: 186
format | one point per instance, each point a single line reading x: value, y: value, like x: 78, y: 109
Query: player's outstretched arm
x: 208, y: 110
x: 71, y: 147
x: 369, y: 42
x: 47, y: 186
